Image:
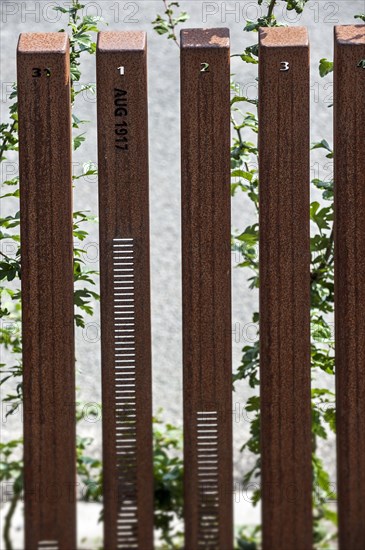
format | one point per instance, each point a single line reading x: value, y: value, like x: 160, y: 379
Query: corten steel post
x: 47, y: 290
x: 349, y: 130
x: 125, y: 289
x: 206, y: 259
x: 285, y: 288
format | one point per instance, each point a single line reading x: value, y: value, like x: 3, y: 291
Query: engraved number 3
x: 37, y: 73
x: 284, y: 66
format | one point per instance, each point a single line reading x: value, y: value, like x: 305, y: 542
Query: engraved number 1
x: 121, y: 70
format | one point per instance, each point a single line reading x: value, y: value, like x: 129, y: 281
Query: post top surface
x: 205, y: 38
x: 43, y: 42
x: 350, y: 34
x: 283, y: 36
x: 122, y: 40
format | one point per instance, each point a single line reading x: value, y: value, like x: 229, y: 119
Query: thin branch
x: 271, y: 8
x: 172, y: 24
x: 8, y: 520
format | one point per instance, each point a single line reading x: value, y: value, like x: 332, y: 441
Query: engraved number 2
x: 284, y: 66
x: 204, y: 67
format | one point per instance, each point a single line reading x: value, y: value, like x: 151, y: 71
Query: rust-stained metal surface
x: 285, y: 289
x: 47, y: 291
x: 125, y: 289
x: 349, y: 147
x: 206, y: 272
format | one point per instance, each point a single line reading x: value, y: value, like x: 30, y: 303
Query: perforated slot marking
x: 48, y: 545
x: 207, y: 434
x: 125, y: 391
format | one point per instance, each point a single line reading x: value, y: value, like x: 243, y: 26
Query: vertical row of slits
x: 48, y: 545
x: 125, y: 391
x: 207, y: 447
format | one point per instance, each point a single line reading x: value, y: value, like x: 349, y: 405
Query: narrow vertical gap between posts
x: 47, y: 290
x: 285, y: 289
x: 349, y: 141
x: 206, y: 274
x: 125, y: 289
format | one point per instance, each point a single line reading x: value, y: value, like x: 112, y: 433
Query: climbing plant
x: 168, y: 467
x: 11, y: 462
x: 245, y: 179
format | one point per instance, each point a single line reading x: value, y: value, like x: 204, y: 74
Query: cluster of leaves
x: 244, y: 167
x: 10, y: 309
x: 168, y: 476
x: 167, y: 25
x: 11, y: 479
x: 89, y: 468
x: 80, y: 42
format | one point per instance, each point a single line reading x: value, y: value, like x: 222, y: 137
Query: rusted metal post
x: 47, y: 290
x: 125, y: 289
x: 349, y: 134
x: 285, y: 288
x: 206, y: 258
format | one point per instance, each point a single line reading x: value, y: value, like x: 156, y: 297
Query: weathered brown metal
x: 206, y: 259
x: 125, y: 289
x: 285, y: 288
x: 349, y: 134
x: 47, y: 290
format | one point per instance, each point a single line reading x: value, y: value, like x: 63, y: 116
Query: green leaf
x: 323, y: 145
x: 250, y: 235
x: 297, y: 5
x: 78, y: 140
x: 248, y: 58
x: 59, y: 8
x: 325, y: 67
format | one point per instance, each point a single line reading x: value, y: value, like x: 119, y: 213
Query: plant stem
x: 271, y: 8
x: 172, y: 24
x: 8, y: 519
x: 74, y: 14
